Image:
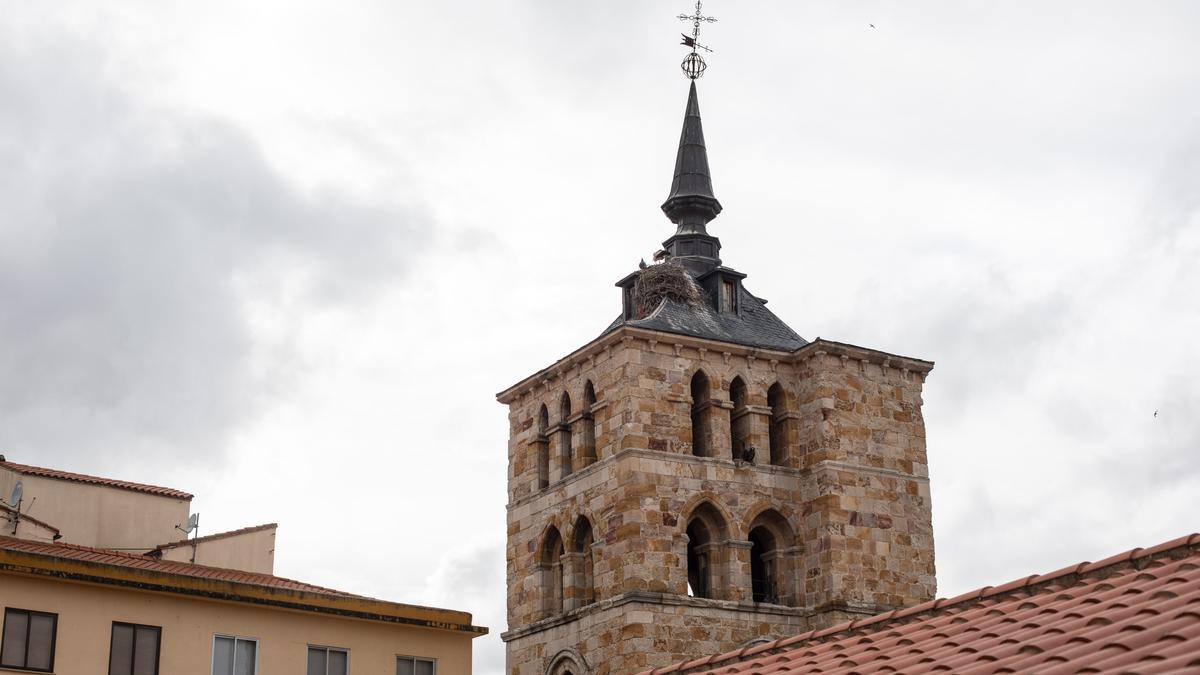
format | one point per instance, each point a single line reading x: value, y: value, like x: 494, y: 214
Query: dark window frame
x: 29, y: 614
x: 236, y: 639
x: 327, y: 649
x: 132, y: 657
x: 415, y: 659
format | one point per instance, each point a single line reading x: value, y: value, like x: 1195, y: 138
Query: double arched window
x: 567, y: 568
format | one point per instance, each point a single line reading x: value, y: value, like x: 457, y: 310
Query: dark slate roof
x: 756, y: 326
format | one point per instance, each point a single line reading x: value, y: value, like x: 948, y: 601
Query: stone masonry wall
x: 848, y: 501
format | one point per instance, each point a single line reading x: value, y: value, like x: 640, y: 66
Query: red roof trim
x: 219, y: 535
x: 41, y: 472
x: 122, y: 559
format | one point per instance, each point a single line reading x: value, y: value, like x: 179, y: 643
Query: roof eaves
x: 83, y: 564
x: 1029, y: 584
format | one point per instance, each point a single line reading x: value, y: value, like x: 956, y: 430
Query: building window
x: 551, y: 564
x: 133, y: 649
x: 564, y: 434
x: 706, y: 534
x: 701, y: 411
x: 328, y: 661
x: 585, y: 575
x: 739, y: 419
x: 411, y: 665
x: 778, y: 424
x: 234, y: 655
x: 587, y: 451
x: 28, y: 639
x: 728, y: 297
x: 543, y: 449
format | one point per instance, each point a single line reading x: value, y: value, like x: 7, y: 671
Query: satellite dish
x: 17, y: 493
x: 193, y: 522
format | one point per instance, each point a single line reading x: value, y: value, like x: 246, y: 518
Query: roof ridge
x: 217, y: 535
x: 59, y: 474
x: 880, y: 621
x: 23, y: 545
x: 26, y: 516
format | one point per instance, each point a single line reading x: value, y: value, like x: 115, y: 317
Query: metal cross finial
x: 696, y: 20
x: 693, y: 65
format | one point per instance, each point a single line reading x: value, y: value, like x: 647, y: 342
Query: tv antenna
x: 192, y: 528
x: 14, y: 503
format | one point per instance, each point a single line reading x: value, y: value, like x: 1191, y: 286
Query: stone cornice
x: 628, y: 334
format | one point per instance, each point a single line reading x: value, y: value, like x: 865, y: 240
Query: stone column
x: 539, y: 457
x: 583, y: 440
x: 738, y: 586
x: 572, y: 565
x: 789, y: 564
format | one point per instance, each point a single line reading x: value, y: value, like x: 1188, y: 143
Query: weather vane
x: 693, y: 64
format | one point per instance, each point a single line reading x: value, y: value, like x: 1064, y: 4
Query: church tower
x: 699, y: 477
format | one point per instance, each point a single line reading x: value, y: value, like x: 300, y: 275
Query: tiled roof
x: 754, y: 325
x: 218, y: 535
x: 120, y: 559
x: 27, y: 470
x: 1137, y: 612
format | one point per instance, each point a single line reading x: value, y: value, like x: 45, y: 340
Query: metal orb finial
x: 693, y: 65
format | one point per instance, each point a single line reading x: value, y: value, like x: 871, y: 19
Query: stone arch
x: 582, y: 540
x: 702, y: 414
x: 772, y: 558
x: 542, y: 448
x: 707, y: 530
x: 564, y: 434
x: 739, y: 417
x: 550, y: 568
x: 777, y: 401
x: 587, y: 440
x: 568, y: 662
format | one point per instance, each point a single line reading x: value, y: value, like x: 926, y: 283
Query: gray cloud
x: 135, y: 245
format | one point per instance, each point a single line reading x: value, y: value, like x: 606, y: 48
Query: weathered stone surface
x: 849, y: 490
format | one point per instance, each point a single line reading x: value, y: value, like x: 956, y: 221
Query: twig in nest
x: 665, y: 281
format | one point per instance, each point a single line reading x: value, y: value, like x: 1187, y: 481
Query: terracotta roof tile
x: 40, y: 472
x: 121, y: 559
x: 1138, y: 611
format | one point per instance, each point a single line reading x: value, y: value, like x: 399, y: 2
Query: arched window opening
x: 739, y: 419
x: 777, y: 429
x: 552, y: 572
x: 762, y: 566
x: 564, y: 434
x: 697, y: 559
x: 585, y: 581
x: 772, y: 559
x: 587, y: 450
x: 701, y: 410
x: 543, y: 448
x: 705, y: 539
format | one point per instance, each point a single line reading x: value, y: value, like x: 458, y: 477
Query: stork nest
x: 664, y: 281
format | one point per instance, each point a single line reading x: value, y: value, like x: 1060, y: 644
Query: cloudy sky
x: 283, y: 254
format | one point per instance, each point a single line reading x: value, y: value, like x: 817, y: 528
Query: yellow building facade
x: 76, y: 609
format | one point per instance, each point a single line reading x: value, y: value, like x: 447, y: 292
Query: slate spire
x: 692, y: 203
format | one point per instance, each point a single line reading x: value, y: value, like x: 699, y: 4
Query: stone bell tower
x: 700, y: 477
